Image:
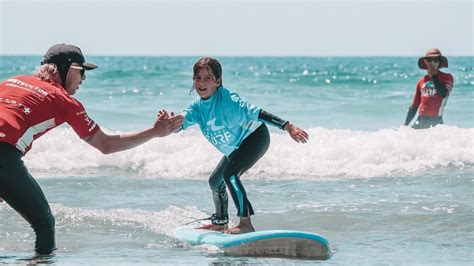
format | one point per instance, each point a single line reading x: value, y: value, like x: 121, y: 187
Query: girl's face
x: 205, y: 83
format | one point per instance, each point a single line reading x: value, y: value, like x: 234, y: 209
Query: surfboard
x: 271, y: 243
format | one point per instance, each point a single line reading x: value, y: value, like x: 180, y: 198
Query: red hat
x: 433, y: 52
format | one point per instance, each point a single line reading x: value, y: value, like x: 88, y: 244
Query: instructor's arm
x: 163, y: 126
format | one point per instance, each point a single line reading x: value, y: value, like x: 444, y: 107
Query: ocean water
x: 380, y: 192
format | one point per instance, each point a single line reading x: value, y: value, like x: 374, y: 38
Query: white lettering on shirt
x: 428, y: 89
x: 23, y: 85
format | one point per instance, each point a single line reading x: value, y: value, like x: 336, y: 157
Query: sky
x: 239, y: 28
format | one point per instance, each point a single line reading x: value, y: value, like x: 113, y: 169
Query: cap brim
x: 89, y: 66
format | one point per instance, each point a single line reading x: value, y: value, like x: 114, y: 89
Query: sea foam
x: 330, y: 153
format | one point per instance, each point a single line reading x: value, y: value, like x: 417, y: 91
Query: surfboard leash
x: 195, y: 220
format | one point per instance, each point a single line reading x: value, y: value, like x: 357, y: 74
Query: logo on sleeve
x: 235, y: 98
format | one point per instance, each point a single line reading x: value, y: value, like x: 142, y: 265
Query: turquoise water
x: 380, y: 192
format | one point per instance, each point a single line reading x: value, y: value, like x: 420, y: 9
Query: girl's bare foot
x: 240, y: 229
x: 213, y: 227
x: 245, y: 226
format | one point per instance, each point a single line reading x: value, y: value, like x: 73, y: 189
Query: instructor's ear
x: 219, y: 81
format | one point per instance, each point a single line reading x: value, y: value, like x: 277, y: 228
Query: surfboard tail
x: 272, y: 243
x: 283, y: 247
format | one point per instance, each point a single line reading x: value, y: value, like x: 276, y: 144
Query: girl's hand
x: 296, y: 133
x: 166, y: 124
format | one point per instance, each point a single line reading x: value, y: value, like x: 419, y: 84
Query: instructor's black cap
x: 65, y: 54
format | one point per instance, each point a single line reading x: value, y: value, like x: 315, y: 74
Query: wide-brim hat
x: 65, y: 54
x: 434, y: 52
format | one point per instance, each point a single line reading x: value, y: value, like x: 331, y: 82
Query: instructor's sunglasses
x: 432, y: 59
x: 81, y: 68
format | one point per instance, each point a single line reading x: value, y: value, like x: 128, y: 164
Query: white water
x: 328, y: 154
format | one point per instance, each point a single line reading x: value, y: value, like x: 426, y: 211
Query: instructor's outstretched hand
x: 167, y: 123
x: 296, y: 133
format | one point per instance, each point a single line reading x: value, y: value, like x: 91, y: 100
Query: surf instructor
x: 30, y: 106
x: 432, y: 91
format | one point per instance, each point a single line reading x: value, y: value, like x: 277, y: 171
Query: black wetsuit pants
x: 20, y: 190
x: 228, y: 174
x: 427, y: 122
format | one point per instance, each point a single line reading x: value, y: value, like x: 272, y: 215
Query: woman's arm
x: 415, y: 103
x: 439, y: 86
x: 411, y: 113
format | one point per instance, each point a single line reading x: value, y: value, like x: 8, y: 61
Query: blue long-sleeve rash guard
x: 225, y: 119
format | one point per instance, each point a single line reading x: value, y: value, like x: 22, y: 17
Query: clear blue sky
x: 256, y: 28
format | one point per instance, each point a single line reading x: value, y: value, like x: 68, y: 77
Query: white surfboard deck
x: 272, y: 243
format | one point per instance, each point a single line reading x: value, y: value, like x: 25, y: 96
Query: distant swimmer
x: 234, y: 126
x: 432, y: 91
x: 30, y: 106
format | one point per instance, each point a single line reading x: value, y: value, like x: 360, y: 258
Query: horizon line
x: 242, y: 55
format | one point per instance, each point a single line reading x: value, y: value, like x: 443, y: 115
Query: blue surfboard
x: 272, y: 243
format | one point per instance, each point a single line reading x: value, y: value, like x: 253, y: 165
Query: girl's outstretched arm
x: 296, y: 133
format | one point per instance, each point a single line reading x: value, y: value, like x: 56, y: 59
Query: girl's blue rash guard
x: 225, y: 119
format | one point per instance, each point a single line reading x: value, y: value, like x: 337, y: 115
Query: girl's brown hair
x: 211, y: 65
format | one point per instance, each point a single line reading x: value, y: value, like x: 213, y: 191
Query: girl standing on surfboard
x: 235, y: 128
